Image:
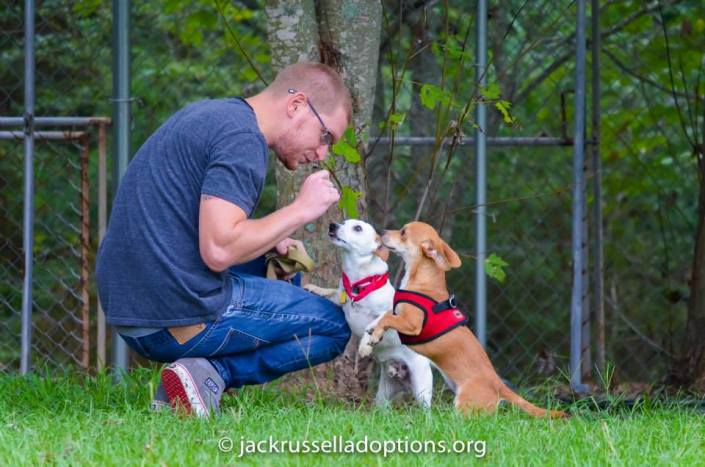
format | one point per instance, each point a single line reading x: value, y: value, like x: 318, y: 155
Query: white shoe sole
x: 181, y: 390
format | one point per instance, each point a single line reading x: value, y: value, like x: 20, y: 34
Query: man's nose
x: 322, y: 152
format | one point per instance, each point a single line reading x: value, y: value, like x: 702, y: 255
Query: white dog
x: 366, y: 293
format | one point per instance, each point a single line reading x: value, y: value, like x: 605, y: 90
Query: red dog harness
x: 364, y: 287
x: 438, y: 317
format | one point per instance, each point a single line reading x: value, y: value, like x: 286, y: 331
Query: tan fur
x: 382, y: 252
x: 458, y: 353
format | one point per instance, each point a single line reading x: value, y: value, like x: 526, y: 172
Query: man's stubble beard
x: 286, y: 152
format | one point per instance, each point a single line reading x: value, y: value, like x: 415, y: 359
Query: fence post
x: 578, y: 201
x: 121, y: 139
x: 28, y: 221
x: 102, y: 222
x: 481, y: 154
x: 85, y: 142
x: 597, y: 192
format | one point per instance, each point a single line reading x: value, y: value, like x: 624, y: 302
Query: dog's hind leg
x: 477, y: 396
x: 389, y: 388
x: 421, y: 379
x: 449, y: 382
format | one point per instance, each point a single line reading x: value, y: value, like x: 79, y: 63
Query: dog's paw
x: 314, y: 289
x: 369, y: 339
x: 397, y: 370
x: 365, y: 350
x: 366, y: 347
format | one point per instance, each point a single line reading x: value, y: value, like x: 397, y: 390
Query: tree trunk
x: 345, y: 35
x: 293, y: 34
x: 350, y: 39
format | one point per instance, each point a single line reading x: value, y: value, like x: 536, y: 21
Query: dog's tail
x: 515, y: 399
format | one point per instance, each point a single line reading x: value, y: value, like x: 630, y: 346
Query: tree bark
x: 293, y: 34
x: 344, y: 34
x: 350, y: 40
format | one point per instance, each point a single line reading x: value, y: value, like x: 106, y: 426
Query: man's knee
x: 342, y: 338
x: 340, y: 331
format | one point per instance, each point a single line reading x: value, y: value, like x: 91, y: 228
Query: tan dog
x: 456, y: 352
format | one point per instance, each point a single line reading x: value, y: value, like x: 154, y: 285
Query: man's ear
x: 296, y: 101
x: 443, y: 255
x: 382, y: 251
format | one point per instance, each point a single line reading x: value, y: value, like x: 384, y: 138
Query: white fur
x: 358, y: 242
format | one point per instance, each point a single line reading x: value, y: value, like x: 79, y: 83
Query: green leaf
x: 349, y: 136
x: 347, y: 147
x: 490, y: 92
x: 494, y: 267
x: 543, y: 114
x: 249, y: 74
x: 348, y: 202
x: 86, y: 7
x: 431, y: 95
x: 396, y: 120
x: 172, y: 6
x: 503, y: 106
x: 453, y: 50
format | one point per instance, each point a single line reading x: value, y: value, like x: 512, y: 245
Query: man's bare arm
x: 227, y: 237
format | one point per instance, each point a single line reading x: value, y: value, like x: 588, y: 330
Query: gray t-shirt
x: 149, y: 268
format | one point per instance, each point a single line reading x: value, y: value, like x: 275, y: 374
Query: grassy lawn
x: 77, y: 420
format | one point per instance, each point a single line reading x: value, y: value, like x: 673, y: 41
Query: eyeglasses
x: 326, y: 135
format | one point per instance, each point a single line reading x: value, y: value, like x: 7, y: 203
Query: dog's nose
x: 333, y: 228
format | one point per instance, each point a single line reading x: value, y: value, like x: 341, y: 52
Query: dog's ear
x: 451, y: 256
x: 382, y: 251
x: 442, y: 254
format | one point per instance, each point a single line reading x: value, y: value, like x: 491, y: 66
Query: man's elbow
x: 216, y: 258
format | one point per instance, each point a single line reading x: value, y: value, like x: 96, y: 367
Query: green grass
x: 72, y: 419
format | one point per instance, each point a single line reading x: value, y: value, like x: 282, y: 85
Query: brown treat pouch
x: 293, y: 261
x: 183, y: 334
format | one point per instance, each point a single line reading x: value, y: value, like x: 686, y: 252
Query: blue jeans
x: 270, y: 328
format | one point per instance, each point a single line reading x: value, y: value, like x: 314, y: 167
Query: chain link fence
x: 60, y: 301
x: 182, y: 53
x: 648, y: 207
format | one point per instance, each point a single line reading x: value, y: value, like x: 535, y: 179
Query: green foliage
x: 490, y: 92
x: 346, y: 147
x: 395, y: 120
x: 503, y: 107
x: 494, y: 267
x: 181, y: 52
x: 432, y: 95
x: 348, y: 202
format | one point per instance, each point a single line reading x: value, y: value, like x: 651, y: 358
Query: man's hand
x: 283, y: 246
x: 316, y: 195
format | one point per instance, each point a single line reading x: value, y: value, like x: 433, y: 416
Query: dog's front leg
x: 408, y: 321
x: 331, y: 294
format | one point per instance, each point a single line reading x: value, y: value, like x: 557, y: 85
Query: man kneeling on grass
x: 181, y: 269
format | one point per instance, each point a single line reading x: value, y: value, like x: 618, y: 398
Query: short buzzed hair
x: 321, y: 84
